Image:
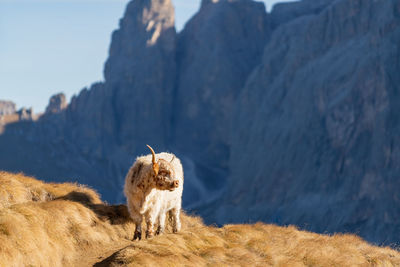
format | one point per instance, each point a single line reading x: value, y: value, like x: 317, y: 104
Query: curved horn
x: 152, y: 152
x: 155, y: 165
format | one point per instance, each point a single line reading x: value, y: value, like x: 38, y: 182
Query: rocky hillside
x: 68, y: 225
x: 287, y: 117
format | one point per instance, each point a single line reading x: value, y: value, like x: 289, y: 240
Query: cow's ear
x: 140, y: 185
x: 136, y: 171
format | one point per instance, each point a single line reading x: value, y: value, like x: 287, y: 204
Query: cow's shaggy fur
x: 153, y: 188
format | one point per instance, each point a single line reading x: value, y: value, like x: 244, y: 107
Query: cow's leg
x: 161, y: 223
x: 138, y: 229
x: 151, y: 217
x: 176, y: 227
x: 138, y: 232
x: 137, y: 218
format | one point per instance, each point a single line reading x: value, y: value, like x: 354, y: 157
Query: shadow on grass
x: 115, y: 214
x: 113, y: 259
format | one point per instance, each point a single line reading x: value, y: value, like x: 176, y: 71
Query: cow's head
x: 164, y: 173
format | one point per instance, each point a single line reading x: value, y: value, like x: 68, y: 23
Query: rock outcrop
x: 25, y: 114
x: 57, y: 103
x: 7, y: 107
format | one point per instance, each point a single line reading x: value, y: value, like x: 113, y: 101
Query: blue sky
x: 51, y: 46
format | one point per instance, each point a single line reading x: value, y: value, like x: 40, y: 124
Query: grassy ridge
x: 68, y: 225
x: 251, y: 245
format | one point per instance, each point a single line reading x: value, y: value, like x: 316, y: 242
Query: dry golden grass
x: 53, y: 224
x: 17, y: 188
x: 251, y: 245
x: 68, y: 225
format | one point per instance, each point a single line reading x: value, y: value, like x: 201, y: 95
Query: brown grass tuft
x: 68, y: 225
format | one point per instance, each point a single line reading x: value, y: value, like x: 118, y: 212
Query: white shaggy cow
x: 153, y: 187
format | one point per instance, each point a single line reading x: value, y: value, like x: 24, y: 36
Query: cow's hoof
x: 137, y: 236
x: 159, y: 231
x: 149, y: 234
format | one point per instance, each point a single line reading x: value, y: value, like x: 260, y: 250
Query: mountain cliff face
x: 322, y: 143
x: 216, y: 51
x: 140, y: 73
x: 292, y: 114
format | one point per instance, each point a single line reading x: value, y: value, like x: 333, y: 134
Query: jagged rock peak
x: 151, y: 15
x: 146, y: 23
x: 56, y: 104
x: 7, y: 107
x: 25, y: 114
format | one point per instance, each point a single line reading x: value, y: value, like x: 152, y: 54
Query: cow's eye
x: 163, y: 173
